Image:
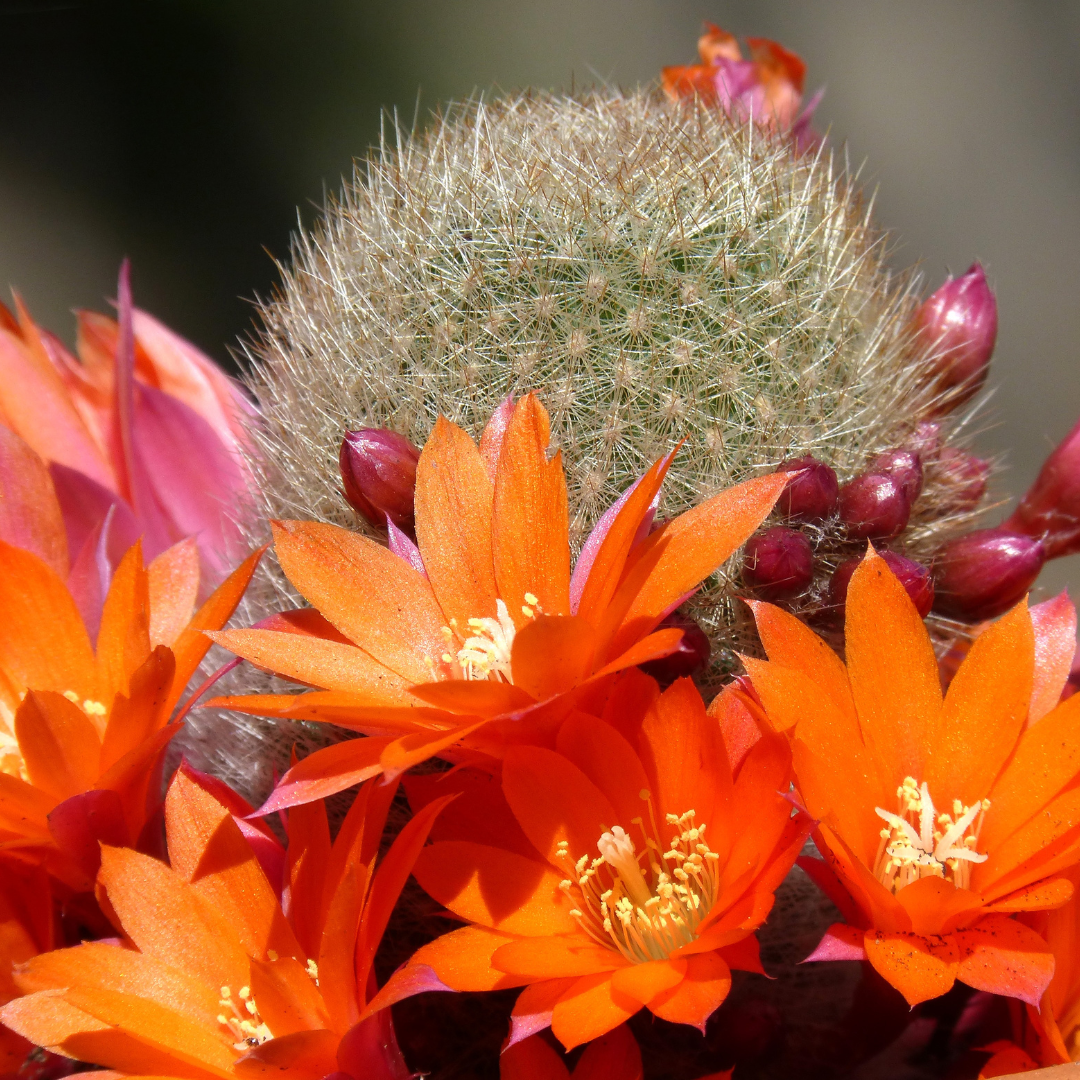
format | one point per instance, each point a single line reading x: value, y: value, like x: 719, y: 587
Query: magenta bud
x: 1051, y: 508
x: 378, y: 474
x: 904, y: 466
x: 810, y: 496
x: 959, y: 322
x: 874, y: 507
x: 912, y: 575
x: 966, y: 476
x: 778, y: 563
x: 984, y: 573
x: 691, y: 655
x: 925, y: 440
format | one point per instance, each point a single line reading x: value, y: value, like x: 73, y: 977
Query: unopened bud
x: 912, y: 575
x: 810, y: 496
x: 378, y: 474
x: 925, y: 440
x: 1051, y: 508
x: 778, y: 563
x: 904, y: 466
x: 966, y: 476
x: 691, y: 655
x: 983, y: 574
x: 959, y: 322
x: 874, y: 507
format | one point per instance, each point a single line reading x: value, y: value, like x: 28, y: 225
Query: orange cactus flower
x: 767, y: 87
x: 483, y: 621
x: 631, y: 871
x: 142, y: 423
x: 939, y: 818
x: 214, y: 978
x: 82, y: 727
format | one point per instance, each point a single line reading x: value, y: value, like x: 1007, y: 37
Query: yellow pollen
x: 72, y: 696
x: 313, y: 971
x: 644, y: 904
x: 94, y: 708
x: 246, y: 1026
x: 911, y: 848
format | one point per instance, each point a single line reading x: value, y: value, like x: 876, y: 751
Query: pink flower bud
x: 904, y: 466
x: 925, y: 440
x: 874, y: 507
x: 960, y: 322
x: 1051, y: 508
x: 912, y: 575
x: 984, y: 573
x: 778, y: 563
x: 811, y: 496
x: 691, y: 655
x: 966, y: 476
x: 378, y: 473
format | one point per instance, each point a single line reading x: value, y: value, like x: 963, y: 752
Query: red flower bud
x: 966, y: 476
x: 811, y: 496
x: 984, y: 573
x: 904, y: 466
x: 960, y: 322
x: 925, y: 440
x: 378, y: 473
x: 691, y: 655
x: 778, y: 563
x: 912, y: 575
x: 874, y: 507
x: 1051, y: 507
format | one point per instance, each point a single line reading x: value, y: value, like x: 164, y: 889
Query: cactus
x: 656, y: 270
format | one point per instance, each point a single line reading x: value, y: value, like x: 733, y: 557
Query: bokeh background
x: 189, y: 134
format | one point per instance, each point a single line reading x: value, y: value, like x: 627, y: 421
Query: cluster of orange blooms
x: 606, y: 845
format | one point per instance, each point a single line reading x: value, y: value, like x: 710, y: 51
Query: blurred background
x: 189, y: 134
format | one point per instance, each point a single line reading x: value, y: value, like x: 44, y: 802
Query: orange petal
x: 454, y: 498
x: 494, y: 433
x: 1002, y: 956
x: 1045, y: 895
x: 163, y: 917
x: 137, y: 715
x: 893, y: 671
x: 1046, y: 760
x: 645, y: 982
x: 173, y: 579
x: 530, y: 527
x: 789, y: 642
x: 303, y: 1055
x: 653, y: 646
x: 328, y: 771
x: 589, y: 1009
x: 532, y: 1059
x: 462, y: 959
x: 532, y: 1010
x: 555, y: 957
x: 737, y: 724
x: 47, y: 1020
x: 43, y: 642
x: 553, y: 801
x: 985, y: 710
x: 191, y: 646
x: 921, y: 968
x: 207, y: 849
x: 552, y: 654
x: 474, y: 697
x: 374, y: 598
x: 936, y: 906
x: 30, y: 515
x: 679, y: 556
x: 59, y: 744
x: 699, y: 995
x: 412, y: 749
x: 317, y: 662
x: 495, y: 888
x: 123, y: 642
x: 1054, y: 625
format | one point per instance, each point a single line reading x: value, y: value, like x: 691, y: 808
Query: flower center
x: 242, y: 1018
x: 487, y: 650
x: 645, y: 904
x: 918, y: 842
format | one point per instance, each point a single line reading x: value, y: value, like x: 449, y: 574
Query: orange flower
x: 81, y: 728
x: 938, y: 818
x: 213, y: 978
x: 141, y: 422
x: 767, y: 87
x: 631, y: 871
x: 483, y: 621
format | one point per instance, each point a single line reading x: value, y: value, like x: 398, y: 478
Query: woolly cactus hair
x: 655, y: 270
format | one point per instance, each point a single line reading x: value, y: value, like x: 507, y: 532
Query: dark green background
x: 186, y: 134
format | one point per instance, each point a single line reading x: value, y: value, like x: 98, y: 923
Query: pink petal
x: 403, y: 547
x: 30, y: 516
x: 841, y: 942
x: 369, y: 1050
x: 84, y: 504
x: 80, y: 825
x: 1054, y: 623
x: 91, y: 572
